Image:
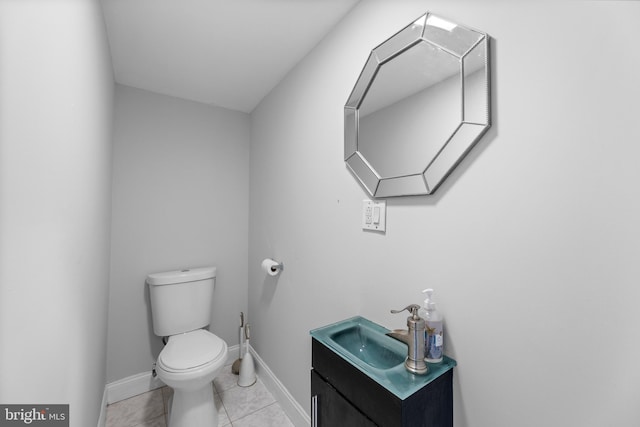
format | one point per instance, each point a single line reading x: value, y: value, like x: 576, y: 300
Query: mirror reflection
x: 421, y: 102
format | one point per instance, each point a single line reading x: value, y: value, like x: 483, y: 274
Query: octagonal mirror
x: 420, y: 104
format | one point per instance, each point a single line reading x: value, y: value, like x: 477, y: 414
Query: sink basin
x: 373, y: 348
x: 364, y: 345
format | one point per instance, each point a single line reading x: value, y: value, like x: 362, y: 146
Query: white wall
x: 56, y: 92
x: 180, y: 199
x: 532, y: 244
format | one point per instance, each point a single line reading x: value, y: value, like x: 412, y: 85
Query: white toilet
x: 180, y: 307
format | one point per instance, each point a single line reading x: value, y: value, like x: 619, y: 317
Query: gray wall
x: 180, y: 199
x: 532, y: 243
x: 56, y: 101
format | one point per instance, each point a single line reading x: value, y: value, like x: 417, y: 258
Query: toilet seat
x: 191, y: 350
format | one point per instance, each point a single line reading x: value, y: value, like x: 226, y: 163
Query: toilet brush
x: 247, y: 369
x: 235, y: 368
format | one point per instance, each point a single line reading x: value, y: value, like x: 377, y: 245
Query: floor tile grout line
x: 247, y: 414
x: 219, y: 393
x: 149, y: 420
x: 252, y: 412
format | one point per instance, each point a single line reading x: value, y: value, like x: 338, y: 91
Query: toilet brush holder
x: 247, y: 375
x: 235, y: 367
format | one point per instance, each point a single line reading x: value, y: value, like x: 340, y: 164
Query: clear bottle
x: 434, y: 332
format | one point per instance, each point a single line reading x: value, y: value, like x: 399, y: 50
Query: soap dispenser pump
x: 434, y: 332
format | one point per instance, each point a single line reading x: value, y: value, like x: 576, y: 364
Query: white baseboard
x: 144, y: 382
x: 289, y: 405
x: 102, y: 421
x: 131, y: 386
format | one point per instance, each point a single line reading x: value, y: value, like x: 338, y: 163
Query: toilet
x: 192, y: 357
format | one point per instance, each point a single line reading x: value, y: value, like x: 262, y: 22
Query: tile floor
x: 237, y: 406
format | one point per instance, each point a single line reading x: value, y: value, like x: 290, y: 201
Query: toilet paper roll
x: 271, y: 267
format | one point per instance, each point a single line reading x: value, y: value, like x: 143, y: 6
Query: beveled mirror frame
x: 428, y: 28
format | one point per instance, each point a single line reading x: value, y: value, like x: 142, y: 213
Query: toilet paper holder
x: 272, y: 267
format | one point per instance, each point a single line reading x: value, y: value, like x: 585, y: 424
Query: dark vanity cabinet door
x: 330, y: 409
x: 344, y: 396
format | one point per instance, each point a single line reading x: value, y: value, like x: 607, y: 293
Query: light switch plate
x: 374, y: 215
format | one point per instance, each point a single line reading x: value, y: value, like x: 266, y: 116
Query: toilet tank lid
x: 181, y: 276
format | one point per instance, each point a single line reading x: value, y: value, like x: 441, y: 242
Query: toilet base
x: 190, y: 408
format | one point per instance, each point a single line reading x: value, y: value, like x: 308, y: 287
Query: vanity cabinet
x: 330, y: 408
x: 342, y: 395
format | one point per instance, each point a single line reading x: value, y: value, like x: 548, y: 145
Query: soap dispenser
x: 434, y: 333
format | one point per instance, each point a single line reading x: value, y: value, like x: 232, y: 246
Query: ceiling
x: 227, y: 53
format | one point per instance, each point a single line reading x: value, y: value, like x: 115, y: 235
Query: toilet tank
x: 181, y: 299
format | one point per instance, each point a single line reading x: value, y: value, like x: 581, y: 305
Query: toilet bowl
x: 188, y: 364
x: 192, y: 357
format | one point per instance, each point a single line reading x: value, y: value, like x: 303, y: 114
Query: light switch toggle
x: 374, y: 215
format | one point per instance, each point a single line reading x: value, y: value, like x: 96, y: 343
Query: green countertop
x: 396, y: 378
